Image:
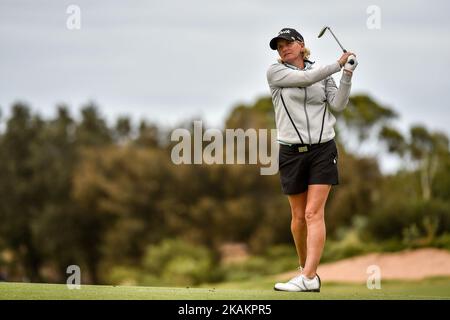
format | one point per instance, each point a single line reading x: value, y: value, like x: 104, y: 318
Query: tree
x: 93, y: 130
x: 119, y: 190
x: 260, y: 115
x: 57, y: 228
x: 426, y: 151
x: 20, y: 190
x: 148, y: 135
x: 123, y: 130
x: 364, y: 116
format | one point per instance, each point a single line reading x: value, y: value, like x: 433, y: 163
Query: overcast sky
x: 172, y: 60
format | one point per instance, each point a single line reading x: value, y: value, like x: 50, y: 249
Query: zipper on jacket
x: 307, y: 118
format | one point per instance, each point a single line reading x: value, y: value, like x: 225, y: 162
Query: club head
x: 322, y: 31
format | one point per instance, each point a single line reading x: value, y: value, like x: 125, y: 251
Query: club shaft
x: 329, y: 29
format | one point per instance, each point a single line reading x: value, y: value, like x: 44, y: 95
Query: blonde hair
x: 306, y: 53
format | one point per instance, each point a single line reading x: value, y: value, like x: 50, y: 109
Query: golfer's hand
x: 350, y: 67
x: 343, y: 59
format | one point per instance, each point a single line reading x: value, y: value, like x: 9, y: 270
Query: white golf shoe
x: 300, y: 284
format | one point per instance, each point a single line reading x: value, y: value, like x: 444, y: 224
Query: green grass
x: 258, y: 289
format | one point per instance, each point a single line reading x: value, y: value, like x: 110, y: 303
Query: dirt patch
x: 233, y: 252
x: 404, y: 265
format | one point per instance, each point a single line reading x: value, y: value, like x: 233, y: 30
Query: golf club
x: 322, y: 32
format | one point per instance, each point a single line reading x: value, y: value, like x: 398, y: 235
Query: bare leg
x: 315, y: 223
x: 298, y: 224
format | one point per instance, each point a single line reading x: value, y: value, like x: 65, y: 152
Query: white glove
x: 351, y: 67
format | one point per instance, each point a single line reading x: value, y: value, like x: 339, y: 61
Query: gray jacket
x: 306, y: 94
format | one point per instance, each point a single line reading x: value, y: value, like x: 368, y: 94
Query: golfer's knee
x: 298, y: 217
x: 312, y: 215
x: 298, y: 222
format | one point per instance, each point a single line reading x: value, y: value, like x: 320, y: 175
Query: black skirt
x: 302, y: 165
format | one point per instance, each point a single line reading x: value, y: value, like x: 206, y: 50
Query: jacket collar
x: 308, y: 65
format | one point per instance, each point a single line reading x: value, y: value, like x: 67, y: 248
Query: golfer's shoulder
x: 275, y: 68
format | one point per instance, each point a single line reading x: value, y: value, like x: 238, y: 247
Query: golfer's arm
x: 338, y: 97
x: 281, y: 76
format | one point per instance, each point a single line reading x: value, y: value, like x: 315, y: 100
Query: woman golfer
x: 302, y: 94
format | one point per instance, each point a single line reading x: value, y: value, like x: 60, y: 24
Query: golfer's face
x: 288, y: 50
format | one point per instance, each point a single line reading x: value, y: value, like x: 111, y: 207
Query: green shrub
x: 350, y: 245
x: 123, y: 275
x: 442, y: 242
x: 410, y: 221
x: 177, y: 262
x: 276, y: 259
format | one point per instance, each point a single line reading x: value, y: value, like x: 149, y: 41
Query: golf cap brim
x: 273, y: 42
x: 288, y: 34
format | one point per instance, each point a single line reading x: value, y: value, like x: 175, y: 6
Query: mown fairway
x: 435, y: 288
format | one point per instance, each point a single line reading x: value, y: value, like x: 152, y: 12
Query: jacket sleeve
x: 338, y: 98
x: 281, y: 76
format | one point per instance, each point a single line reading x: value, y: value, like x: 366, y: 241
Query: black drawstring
x: 292, y: 121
